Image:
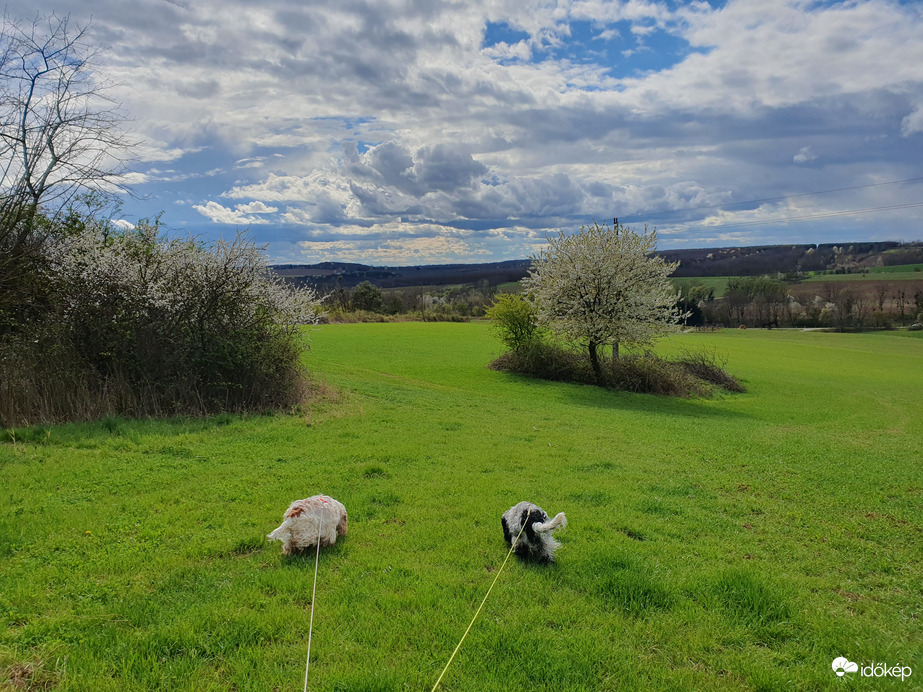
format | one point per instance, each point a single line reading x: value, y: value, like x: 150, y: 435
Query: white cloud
x: 346, y: 116
x: 221, y: 214
x: 152, y: 152
x: 805, y: 155
x: 521, y: 50
x: 256, y: 207
x: 913, y: 123
x: 396, y: 251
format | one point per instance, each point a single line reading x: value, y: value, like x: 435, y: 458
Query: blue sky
x: 428, y: 131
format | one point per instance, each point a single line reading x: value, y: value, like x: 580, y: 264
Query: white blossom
x: 602, y: 286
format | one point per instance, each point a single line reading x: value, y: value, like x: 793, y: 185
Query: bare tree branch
x: 60, y: 137
x: 59, y: 132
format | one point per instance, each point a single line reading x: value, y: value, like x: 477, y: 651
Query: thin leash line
x: 313, y: 594
x: 452, y: 657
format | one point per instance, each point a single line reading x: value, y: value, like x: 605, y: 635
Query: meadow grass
x: 897, y: 269
x: 718, y: 284
x: 740, y: 542
x: 900, y: 272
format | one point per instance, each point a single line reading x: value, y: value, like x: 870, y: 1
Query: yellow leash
x: 479, y: 608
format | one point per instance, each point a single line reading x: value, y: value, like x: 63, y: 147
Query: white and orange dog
x: 306, y: 521
x: 531, y: 523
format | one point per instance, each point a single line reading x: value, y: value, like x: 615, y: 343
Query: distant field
x: 906, y: 272
x: 735, y: 543
x: 510, y: 287
x: 897, y: 269
x: 903, y: 272
x: 718, y: 284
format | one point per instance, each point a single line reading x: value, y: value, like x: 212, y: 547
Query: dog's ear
x: 506, y: 530
x: 343, y: 525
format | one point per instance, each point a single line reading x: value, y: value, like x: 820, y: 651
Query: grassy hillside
x: 897, y: 269
x: 906, y: 272
x: 718, y: 284
x: 903, y: 272
x: 735, y: 543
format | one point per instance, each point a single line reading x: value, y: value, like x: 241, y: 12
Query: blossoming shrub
x: 149, y: 325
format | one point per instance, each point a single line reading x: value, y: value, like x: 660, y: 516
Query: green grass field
x: 903, y: 272
x: 718, y: 284
x: 900, y: 272
x: 898, y: 269
x: 740, y: 542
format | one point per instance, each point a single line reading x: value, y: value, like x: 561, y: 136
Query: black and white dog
x: 535, y: 541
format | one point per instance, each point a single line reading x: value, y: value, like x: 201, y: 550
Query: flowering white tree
x: 602, y: 286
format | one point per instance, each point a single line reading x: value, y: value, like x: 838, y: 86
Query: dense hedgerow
x: 693, y: 375
x: 141, y: 324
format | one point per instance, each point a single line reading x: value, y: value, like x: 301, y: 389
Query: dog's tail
x: 559, y: 520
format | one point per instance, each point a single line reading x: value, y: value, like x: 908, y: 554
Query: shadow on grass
x: 598, y: 397
x: 304, y: 559
x: 621, y: 582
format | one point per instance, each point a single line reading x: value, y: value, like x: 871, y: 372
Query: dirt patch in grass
x: 30, y: 676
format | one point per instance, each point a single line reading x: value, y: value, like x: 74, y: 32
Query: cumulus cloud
x: 441, y: 183
x: 256, y: 207
x: 239, y: 216
x: 358, y: 115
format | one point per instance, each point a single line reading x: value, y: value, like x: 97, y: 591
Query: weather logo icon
x: 841, y: 666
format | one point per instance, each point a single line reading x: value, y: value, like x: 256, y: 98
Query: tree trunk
x: 594, y: 361
x: 615, y: 352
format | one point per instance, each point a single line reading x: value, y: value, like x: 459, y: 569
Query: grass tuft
x: 33, y: 675
x: 750, y: 598
x: 626, y: 584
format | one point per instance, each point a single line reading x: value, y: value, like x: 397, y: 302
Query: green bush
x: 514, y: 319
x: 368, y: 297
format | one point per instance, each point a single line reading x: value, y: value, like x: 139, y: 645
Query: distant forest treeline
x: 702, y: 262
x: 766, y: 287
